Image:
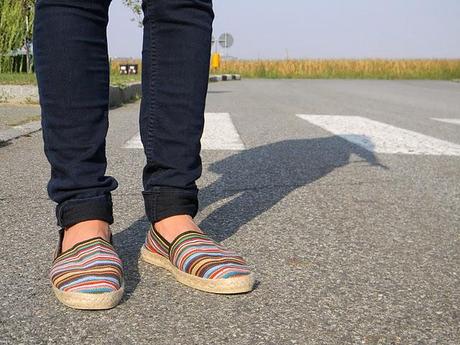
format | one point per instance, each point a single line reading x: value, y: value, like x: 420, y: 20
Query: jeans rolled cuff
x: 165, y: 201
x: 74, y: 211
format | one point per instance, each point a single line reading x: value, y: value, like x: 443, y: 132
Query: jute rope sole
x: 89, y: 301
x: 238, y: 284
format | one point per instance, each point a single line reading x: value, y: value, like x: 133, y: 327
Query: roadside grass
x: 437, y: 69
x: 434, y: 69
x: 17, y: 79
x: 29, y: 79
x: 122, y: 80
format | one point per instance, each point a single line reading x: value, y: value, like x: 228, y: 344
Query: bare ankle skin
x: 83, y: 231
x: 173, y: 226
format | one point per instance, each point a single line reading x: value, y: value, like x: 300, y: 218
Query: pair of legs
x: 72, y: 68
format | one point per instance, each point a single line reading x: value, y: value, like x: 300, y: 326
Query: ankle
x: 83, y: 231
x: 175, y: 225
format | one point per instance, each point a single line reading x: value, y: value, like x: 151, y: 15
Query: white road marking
x: 219, y: 134
x: 380, y: 137
x: 454, y: 121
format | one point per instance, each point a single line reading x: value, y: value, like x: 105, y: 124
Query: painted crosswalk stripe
x: 381, y: 137
x: 453, y: 121
x: 219, y: 134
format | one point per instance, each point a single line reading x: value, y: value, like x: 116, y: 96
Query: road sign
x: 226, y: 40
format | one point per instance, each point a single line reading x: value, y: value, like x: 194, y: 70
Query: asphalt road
x: 349, y: 246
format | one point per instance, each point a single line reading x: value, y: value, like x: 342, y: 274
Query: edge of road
x: 119, y: 95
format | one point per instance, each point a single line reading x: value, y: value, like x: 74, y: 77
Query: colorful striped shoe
x: 88, y: 276
x: 199, y: 262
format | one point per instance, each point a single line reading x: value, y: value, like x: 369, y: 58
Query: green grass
x: 121, y: 80
x: 17, y: 79
x: 29, y: 79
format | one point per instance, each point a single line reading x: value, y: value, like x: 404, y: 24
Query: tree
x: 136, y: 7
x: 16, y: 22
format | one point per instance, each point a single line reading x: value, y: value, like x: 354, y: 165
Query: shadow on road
x: 260, y: 177
x: 128, y: 244
x: 257, y: 179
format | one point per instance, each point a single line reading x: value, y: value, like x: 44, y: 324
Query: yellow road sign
x: 215, y: 60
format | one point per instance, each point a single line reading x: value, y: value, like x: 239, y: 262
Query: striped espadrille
x: 199, y: 262
x: 88, y: 276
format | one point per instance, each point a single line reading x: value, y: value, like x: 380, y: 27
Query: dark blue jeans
x: 72, y: 68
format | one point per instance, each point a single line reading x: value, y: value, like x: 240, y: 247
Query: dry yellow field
x: 344, y: 68
x: 442, y: 69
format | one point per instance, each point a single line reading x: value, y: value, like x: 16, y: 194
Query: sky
x: 276, y: 29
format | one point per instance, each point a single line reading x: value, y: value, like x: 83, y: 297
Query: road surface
x: 344, y: 197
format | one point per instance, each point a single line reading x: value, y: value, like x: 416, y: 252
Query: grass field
x: 17, y: 79
x: 29, y: 79
x: 440, y: 69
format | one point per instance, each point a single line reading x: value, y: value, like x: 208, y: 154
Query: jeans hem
x: 165, y: 201
x: 74, y: 211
